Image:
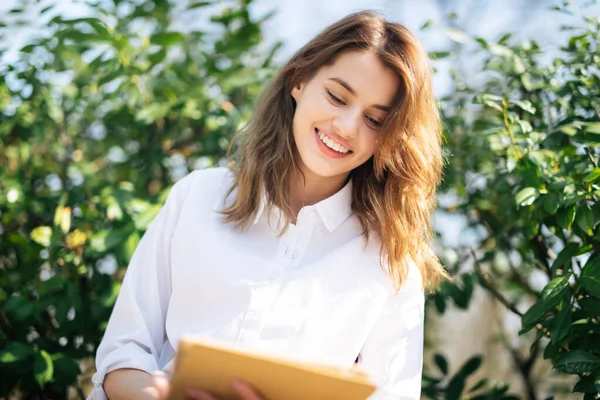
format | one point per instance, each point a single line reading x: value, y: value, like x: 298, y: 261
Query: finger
x: 161, y: 383
x: 245, y: 391
x: 198, y: 394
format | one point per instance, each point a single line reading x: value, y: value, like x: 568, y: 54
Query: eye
x: 374, y: 123
x: 334, y: 98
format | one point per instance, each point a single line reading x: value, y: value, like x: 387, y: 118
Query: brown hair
x: 394, y: 191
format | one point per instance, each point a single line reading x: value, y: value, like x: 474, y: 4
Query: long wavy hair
x: 394, y: 192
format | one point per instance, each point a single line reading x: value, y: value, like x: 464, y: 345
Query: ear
x: 297, y: 91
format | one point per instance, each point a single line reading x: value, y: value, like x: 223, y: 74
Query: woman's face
x: 339, y: 113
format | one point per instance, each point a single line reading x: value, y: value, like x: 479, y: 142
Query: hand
x: 244, y: 391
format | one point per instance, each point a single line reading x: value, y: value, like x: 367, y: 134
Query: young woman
x: 316, y: 243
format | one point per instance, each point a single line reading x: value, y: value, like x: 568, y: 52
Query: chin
x: 325, y: 170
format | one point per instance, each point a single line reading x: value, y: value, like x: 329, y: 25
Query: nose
x: 346, y: 124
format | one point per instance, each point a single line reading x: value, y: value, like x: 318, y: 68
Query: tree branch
x: 5, y: 325
x: 489, y: 286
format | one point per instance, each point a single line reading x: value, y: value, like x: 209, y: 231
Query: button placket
x: 306, y: 223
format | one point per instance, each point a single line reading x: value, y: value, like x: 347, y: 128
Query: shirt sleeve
x: 393, y: 352
x: 135, y: 332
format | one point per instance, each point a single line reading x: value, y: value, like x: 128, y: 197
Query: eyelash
x: 376, y: 124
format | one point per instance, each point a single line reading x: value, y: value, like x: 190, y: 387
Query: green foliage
x: 524, y: 172
x: 456, y: 387
x: 99, y: 116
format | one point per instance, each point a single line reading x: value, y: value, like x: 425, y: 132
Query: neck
x: 312, y: 189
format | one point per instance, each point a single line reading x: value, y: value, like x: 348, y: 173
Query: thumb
x: 161, y: 384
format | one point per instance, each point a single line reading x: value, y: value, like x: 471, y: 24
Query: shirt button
x: 294, y: 255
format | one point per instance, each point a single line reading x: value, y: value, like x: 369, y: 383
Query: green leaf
x: 524, y: 105
x: 565, y: 217
x: 167, y: 39
x: 41, y: 235
x: 43, y: 368
x: 550, y: 297
x: 565, y: 256
x: 440, y: 303
x: 131, y: 244
x: 590, y: 305
x: 437, y: 55
x: 585, y: 385
x: 14, y: 351
x: 105, y: 240
x: 456, y: 34
x: 48, y: 8
x: 482, y: 42
x: 593, y: 127
x: 551, y: 203
x: 592, y: 175
x: 471, y: 366
x: 152, y: 112
x: 577, y: 362
x: 52, y: 285
x: 592, y: 266
x: 455, y: 388
x: 555, y: 289
x: 109, y: 297
x: 427, y: 24
x: 526, y: 196
x: 441, y: 363
x: 198, y: 4
x: 585, y: 219
x: 66, y: 370
x: 483, y: 382
x: 457, y: 384
x: 143, y: 220
x: 561, y: 324
x: 591, y: 284
x: 570, y: 128
x: 19, y: 308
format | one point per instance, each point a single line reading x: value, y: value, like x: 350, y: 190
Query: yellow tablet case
x: 212, y: 365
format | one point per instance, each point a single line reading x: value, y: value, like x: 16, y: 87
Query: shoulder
x: 197, y: 188
x: 410, y: 288
x: 379, y: 265
x: 202, y: 182
x: 206, y: 177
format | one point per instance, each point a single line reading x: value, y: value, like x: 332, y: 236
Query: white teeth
x: 329, y: 142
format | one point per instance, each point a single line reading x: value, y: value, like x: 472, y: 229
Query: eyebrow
x: 353, y: 92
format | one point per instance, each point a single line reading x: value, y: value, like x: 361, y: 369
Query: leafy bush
x: 98, y: 116
x: 525, y: 174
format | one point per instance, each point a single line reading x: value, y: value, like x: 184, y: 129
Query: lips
x: 326, y: 150
x: 332, y: 142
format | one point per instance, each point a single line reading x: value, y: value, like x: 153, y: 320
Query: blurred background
x: 104, y: 104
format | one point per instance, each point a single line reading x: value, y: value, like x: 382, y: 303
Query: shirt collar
x: 333, y: 210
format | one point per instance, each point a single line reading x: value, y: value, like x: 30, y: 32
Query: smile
x: 332, y: 144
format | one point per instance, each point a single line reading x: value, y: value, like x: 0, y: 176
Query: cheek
x: 369, y: 143
x: 314, y: 108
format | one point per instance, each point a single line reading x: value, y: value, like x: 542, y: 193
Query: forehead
x: 365, y: 73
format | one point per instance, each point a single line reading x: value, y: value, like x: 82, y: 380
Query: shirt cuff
x: 126, y: 356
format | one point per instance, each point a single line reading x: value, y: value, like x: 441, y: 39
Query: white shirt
x: 315, y: 294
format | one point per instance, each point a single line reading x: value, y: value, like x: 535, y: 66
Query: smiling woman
x: 340, y: 108
x: 315, y: 245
